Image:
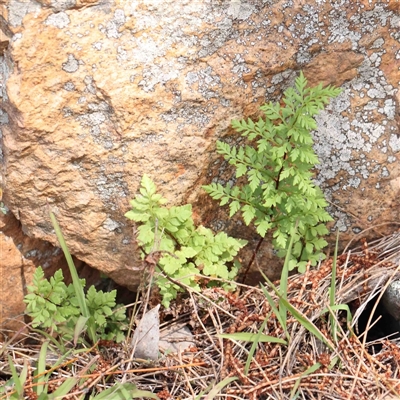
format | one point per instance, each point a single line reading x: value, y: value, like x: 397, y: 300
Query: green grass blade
x: 219, y: 386
x: 5, y: 385
x: 251, y: 337
x: 140, y: 394
x: 41, y: 368
x: 60, y: 345
x: 64, y: 389
x: 307, y: 324
x: 125, y: 391
x: 334, y: 361
x: 19, y: 380
x: 281, y: 311
x: 79, y: 292
x: 284, y: 280
x: 206, y: 390
x: 79, y: 328
x: 285, y: 270
x: 332, y: 289
x: 339, y: 307
x: 300, y: 317
x: 274, y: 307
x: 308, y: 371
x: 254, y: 345
x: 113, y: 393
x: 74, y: 274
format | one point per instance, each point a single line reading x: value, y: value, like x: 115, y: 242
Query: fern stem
x: 253, y: 257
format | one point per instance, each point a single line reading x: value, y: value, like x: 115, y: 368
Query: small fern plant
x: 279, y: 191
x: 187, y: 251
x: 53, y: 305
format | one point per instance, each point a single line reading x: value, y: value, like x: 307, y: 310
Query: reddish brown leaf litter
x: 351, y: 367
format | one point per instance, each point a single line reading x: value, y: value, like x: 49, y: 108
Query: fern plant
x: 276, y: 166
x: 53, y: 305
x: 187, y: 251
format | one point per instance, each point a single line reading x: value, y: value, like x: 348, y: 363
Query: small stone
x: 391, y: 299
x: 146, y: 337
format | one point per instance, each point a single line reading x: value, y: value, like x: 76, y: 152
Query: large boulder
x: 100, y: 92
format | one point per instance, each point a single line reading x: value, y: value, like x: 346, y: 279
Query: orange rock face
x: 100, y: 92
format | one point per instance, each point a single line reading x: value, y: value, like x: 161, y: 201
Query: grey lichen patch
x: 122, y: 54
x: 102, y: 137
x: 90, y: 85
x: 67, y: 112
x: 95, y: 118
x: 209, y: 83
x: 3, y: 119
x: 342, y: 220
x: 97, y: 115
x: 17, y: 9
x: 394, y: 143
x: 282, y: 77
x: 146, y: 50
x: 224, y: 102
x: 375, y: 93
x: 149, y: 138
x: 59, y: 20
x: 69, y: 86
x: 388, y: 109
x: 240, y: 67
x: 111, y: 30
x: 178, y: 32
x: 72, y: 64
x: 240, y: 10
x: 188, y: 114
x: 111, y: 225
x: 378, y: 43
x: 97, y: 45
x: 371, y: 18
x: 374, y: 131
x: 101, y: 106
x: 214, y: 40
x: 110, y: 187
x: 343, y: 142
x: 306, y: 26
x: 340, y: 28
x: 61, y: 5
x: 385, y: 172
x: 17, y: 37
x: 158, y: 74
x: 335, y: 142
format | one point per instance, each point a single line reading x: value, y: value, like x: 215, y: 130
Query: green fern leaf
x: 241, y: 169
x: 148, y: 185
x: 248, y: 213
x: 263, y: 227
x: 234, y: 207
